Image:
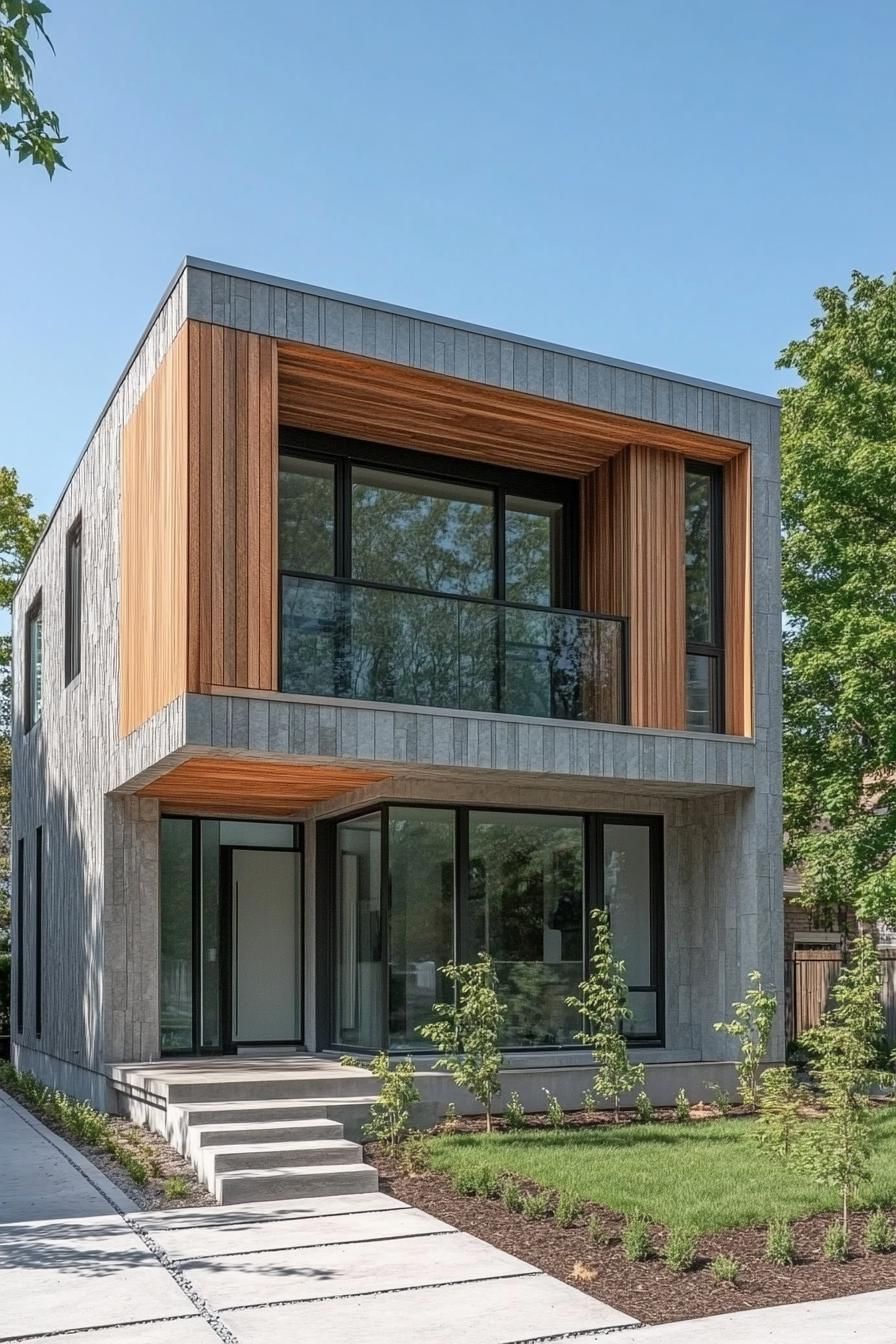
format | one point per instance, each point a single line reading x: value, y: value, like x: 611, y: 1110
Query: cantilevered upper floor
x: 306, y: 507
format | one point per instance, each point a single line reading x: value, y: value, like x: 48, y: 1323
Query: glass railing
x: 360, y: 641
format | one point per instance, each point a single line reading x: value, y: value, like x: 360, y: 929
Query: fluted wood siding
x: 233, y: 515
x: 633, y: 565
x: 154, y: 521
x: 737, y: 514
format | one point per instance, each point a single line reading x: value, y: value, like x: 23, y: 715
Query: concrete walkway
x: 77, y: 1260
x: 867, y: 1316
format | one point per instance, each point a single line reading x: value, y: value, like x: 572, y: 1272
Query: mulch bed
x: 648, y: 1290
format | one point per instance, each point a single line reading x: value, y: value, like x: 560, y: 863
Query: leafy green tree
x: 751, y: 1027
x: 604, y: 1006
x: 34, y: 134
x: 844, y: 1049
x: 467, y: 1031
x: 19, y: 531
x: 391, y: 1111
x: 839, y: 513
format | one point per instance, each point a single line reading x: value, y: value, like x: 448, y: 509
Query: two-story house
x: 363, y: 639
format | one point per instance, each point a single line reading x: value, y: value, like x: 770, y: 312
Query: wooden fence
x: 811, y: 973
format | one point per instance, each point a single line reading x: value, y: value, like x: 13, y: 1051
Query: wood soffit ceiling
x: 278, y: 788
x: 365, y: 398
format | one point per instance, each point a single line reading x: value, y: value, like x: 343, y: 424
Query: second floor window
x: 33, y: 665
x: 415, y: 579
x: 703, y: 599
x: 73, y: 603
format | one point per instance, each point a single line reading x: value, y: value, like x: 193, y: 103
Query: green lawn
x: 710, y: 1174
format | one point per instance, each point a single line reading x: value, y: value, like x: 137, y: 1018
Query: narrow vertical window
x: 73, y: 603
x: 20, y: 936
x: 38, y: 929
x: 33, y: 665
x: 703, y: 599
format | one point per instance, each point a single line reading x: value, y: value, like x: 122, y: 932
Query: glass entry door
x: 263, y: 929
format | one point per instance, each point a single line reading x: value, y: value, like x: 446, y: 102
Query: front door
x: 265, y: 948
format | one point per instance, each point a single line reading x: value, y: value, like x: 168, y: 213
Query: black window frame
x: 715, y: 649
x: 74, y: 597
x: 20, y: 935
x: 38, y: 932
x: 326, y: 913
x: 344, y: 453
x: 33, y: 711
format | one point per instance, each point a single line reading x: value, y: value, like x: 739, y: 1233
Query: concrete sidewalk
x: 76, y: 1257
x: 867, y: 1316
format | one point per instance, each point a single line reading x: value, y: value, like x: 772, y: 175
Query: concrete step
x: 273, y: 1086
x: 268, y: 1131
x: 351, y: 1112
x: 293, y: 1182
x: 210, y: 1162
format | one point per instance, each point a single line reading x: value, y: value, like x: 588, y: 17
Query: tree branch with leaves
x: 33, y: 131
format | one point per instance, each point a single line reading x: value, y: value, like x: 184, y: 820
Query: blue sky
x: 666, y: 181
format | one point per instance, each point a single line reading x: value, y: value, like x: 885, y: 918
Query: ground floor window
x: 405, y: 889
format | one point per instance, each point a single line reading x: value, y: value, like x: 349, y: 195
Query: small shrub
x: 682, y: 1107
x: 597, y: 1233
x: 780, y: 1248
x: 636, y: 1240
x: 466, y: 1182
x: 414, y: 1155
x: 880, y: 1232
x: 536, y: 1206
x: 554, y: 1111
x: 177, y: 1187
x: 511, y: 1195
x: 680, y: 1250
x: 450, y: 1119
x: 836, y: 1243
x: 722, y: 1101
x: 725, y: 1268
x: 569, y: 1210
x: 514, y: 1112
x: 751, y: 1027
x: 488, y: 1185
x: 390, y: 1112
x: 644, y: 1111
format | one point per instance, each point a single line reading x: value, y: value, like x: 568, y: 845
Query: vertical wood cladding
x: 737, y: 515
x: 633, y: 565
x: 233, y: 510
x: 154, y: 523
x: 198, y: 523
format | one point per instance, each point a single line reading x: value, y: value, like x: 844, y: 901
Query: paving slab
x: 235, y: 1215
x: 79, y: 1273
x: 212, y: 1239
x: 45, y: 1177
x: 361, y: 1267
x: 865, y: 1316
x: 190, y: 1330
x: 498, y: 1311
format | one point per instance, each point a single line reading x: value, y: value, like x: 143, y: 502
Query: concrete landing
x: 866, y: 1316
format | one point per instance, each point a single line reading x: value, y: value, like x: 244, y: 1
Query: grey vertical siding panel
x: 311, y: 319
x: 333, y: 324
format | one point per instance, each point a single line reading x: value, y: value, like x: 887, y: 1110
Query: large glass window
x: 176, y: 935
x: 533, y: 551
x: 525, y: 907
x: 628, y: 895
x: 359, y: 933
x: 307, y: 515
x: 513, y: 884
x: 421, y: 916
x: 703, y: 599
x: 419, y: 533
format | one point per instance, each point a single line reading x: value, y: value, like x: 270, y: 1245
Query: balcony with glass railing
x: 350, y: 639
